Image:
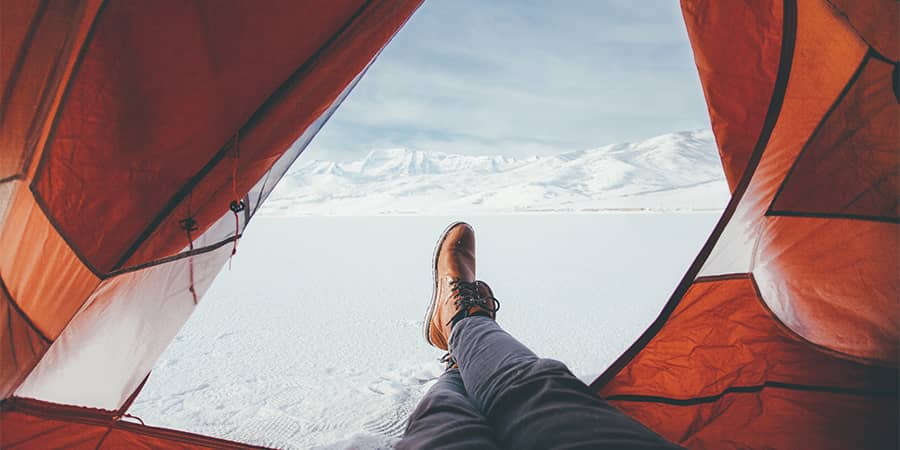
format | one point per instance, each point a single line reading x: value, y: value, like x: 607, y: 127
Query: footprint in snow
x: 391, y: 421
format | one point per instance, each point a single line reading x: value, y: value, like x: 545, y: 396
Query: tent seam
x: 772, y: 211
x: 21, y: 312
x: 641, y: 398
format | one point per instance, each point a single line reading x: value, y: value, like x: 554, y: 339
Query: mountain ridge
x: 671, y: 172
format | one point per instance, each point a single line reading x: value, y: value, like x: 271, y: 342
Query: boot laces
x: 467, y: 295
x: 449, y: 362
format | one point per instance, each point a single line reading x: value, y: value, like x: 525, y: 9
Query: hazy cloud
x: 522, y: 77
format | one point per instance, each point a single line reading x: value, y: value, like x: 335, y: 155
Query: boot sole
x: 429, y: 314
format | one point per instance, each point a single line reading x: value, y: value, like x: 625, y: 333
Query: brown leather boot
x: 457, y: 294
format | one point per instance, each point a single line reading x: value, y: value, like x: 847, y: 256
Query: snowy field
x: 314, y: 338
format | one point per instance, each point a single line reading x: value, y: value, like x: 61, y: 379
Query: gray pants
x: 504, y: 396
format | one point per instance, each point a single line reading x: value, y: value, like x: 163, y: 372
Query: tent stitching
x: 772, y: 211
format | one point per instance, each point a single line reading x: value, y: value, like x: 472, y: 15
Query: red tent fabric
x: 138, y: 138
x: 784, y: 332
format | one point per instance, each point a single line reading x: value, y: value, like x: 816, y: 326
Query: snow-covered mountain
x: 676, y: 171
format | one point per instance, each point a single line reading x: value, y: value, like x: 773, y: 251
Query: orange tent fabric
x: 784, y: 333
x: 137, y: 139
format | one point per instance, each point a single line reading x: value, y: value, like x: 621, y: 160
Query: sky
x: 522, y: 78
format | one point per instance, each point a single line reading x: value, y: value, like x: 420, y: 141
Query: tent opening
x: 564, y: 208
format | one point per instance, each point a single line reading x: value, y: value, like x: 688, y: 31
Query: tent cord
x: 189, y: 225
x: 237, y: 204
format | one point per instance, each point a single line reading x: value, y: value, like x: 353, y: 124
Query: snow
x: 672, y: 172
x: 313, y: 339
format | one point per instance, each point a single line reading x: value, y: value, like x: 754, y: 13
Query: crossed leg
x: 535, y: 403
x: 504, y: 395
x: 447, y: 418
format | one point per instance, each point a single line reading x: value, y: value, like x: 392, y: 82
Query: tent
x: 137, y: 139
x: 784, y: 331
